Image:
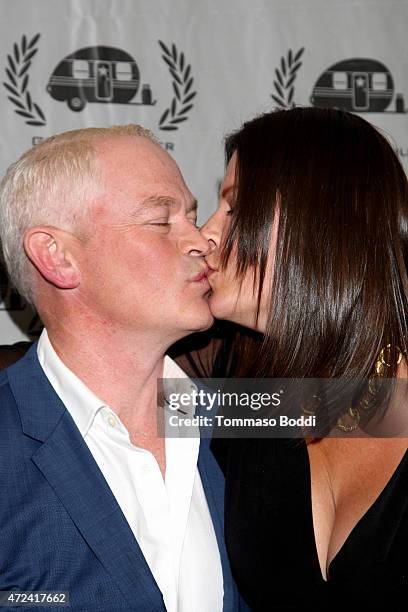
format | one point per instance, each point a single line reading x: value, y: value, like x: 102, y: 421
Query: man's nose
x: 195, y: 244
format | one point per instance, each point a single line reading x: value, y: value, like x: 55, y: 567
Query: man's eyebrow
x: 153, y: 201
x: 162, y: 201
x: 166, y: 201
x: 149, y: 204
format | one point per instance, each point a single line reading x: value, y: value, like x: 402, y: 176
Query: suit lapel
x: 66, y: 462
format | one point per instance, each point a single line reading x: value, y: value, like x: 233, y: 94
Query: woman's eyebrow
x: 192, y: 207
x: 225, y: 191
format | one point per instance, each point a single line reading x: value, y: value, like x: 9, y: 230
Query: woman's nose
x: 210, y: 231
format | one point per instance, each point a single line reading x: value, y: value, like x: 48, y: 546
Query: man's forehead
x: 147, y: 197
x: 123, y: 141
x: 133, y: 148
x: 138, y: 168
x: 130, y: 157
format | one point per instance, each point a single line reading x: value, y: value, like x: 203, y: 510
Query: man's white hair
x: 51, y: 184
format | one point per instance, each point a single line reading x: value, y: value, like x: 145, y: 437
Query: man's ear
x: 48, y: 249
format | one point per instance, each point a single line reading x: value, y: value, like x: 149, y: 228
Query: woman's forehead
x: 229, y: 178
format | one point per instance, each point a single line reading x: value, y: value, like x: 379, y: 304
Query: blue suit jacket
x: 61, y: 528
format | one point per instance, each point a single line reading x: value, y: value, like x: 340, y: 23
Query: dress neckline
x: 394, y: 477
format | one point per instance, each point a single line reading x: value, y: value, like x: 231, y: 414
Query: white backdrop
x: 220, y: 62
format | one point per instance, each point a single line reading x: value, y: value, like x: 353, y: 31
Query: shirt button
x: 112, y: 421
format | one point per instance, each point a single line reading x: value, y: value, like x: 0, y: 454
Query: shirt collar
x: 175, y: 380
x: 79, y: 400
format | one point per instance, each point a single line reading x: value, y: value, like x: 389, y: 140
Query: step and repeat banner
x: 192, y: 72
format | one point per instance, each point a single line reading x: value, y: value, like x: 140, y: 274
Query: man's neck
x: 122, y: 370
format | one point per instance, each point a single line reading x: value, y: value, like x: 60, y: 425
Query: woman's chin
x: 219, y: 308
x: 222, y: 309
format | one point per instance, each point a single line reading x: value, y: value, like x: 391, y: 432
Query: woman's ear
x: 48, y: 249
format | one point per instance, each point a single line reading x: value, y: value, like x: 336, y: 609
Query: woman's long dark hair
x: 340, y: 290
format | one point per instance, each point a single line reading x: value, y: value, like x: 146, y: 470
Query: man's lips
x: 201, y: 275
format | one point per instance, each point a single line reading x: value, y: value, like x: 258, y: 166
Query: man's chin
x: 202, y: 325
x: 198, y: 326
x: 209, y: 324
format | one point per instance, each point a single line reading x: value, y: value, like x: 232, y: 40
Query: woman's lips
x: 210, y: 276
x: 211, y: 269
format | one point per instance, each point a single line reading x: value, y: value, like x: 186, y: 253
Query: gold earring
x: 381, y: 364
x: 367, y: 401
x: 313, y: 407
x: 352, y: 413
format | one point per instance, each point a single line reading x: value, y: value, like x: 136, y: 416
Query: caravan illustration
x: 357, y: 85
x: 97, y: 74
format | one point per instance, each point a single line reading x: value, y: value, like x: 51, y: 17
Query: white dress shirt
x: 170, y: 519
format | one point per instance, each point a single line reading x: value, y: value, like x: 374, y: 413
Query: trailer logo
x: 359, y: 86
x: 98, y: 74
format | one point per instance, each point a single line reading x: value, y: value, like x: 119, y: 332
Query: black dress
x: 270, y: 537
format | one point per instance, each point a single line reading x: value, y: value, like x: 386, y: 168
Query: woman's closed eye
x: 192, y: 219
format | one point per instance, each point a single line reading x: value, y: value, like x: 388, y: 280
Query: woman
x: 310, y: 247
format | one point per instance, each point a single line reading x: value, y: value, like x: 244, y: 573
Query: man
x: 99, y: 232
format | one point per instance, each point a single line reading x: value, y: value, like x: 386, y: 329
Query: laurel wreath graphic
x: 285, y: 78
x: 182, y: 82
x: 19, y: 63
